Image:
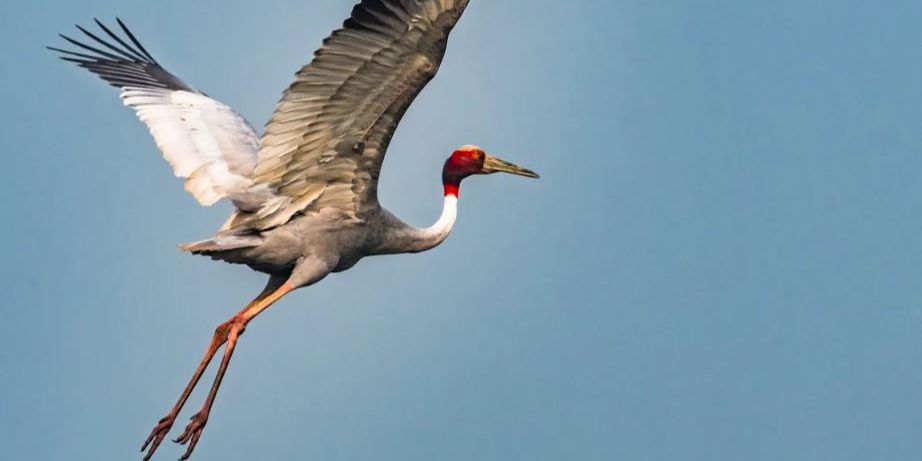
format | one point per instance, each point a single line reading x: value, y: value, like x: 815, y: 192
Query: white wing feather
x: 206, y: 142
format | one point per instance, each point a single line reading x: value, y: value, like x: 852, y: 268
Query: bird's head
x: 471, y: 160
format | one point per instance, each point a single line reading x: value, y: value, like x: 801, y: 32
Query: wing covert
x: 324, y: 145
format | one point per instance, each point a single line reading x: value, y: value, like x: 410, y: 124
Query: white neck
x: 408, y: 239
x: 438, y: 232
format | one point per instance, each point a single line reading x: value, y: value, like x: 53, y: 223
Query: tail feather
x: 221, y: 243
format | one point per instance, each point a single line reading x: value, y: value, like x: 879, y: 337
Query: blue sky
x: 721, y: 260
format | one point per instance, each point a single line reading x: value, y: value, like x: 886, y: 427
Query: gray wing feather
x: 325, y: 143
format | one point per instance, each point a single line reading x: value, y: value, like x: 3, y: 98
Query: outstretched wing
x: 326, y: 140
x: 205, y: 141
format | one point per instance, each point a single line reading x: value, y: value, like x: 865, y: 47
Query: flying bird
x: 304, y: 193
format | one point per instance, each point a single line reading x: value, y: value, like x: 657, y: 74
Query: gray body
x: 328, y: 242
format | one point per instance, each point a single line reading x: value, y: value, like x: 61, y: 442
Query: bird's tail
x: 220, y: 243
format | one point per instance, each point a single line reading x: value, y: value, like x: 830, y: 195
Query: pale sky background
x: 720, y: 262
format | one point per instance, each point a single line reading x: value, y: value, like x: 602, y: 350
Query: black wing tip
x: 62, y: 54
x: 118, y: 58
x: 58, y: 50
x: 117, y: 50
x: 134, y: 40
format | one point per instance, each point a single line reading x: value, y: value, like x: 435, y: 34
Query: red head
x: 470, y: 160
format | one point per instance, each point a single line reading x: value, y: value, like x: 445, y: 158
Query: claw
x: 192, y: 445
x: 192, y: 433
x: 157, y: 435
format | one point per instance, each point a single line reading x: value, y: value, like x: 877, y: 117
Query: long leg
x: 238, y: 324
x: 221, y: 335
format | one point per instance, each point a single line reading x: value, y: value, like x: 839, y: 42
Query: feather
x: 205, y: 142
x: 334, y: 123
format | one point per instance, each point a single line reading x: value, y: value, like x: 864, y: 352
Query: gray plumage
x: 322, y: 150
x: 309, y: 195
x: 305, y: 192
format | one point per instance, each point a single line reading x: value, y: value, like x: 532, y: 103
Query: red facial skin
x: 460, y: 165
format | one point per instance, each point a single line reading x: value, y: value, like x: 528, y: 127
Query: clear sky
x: 720, y: 262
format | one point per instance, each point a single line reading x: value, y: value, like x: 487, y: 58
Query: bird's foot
x: 192, y: 433
x: 157, y: 435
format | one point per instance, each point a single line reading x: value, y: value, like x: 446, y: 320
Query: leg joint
x: 224, y: 330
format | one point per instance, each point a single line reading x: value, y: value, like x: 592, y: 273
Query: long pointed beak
x: 494, y: 165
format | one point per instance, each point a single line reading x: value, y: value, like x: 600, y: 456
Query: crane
x: 304, y: 193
